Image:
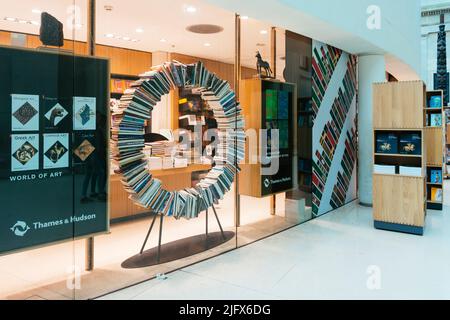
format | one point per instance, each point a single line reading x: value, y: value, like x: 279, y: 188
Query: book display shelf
x: 268, y: 105
x: 399, y: 176
x: 435, y: 141
x: 119, y: 83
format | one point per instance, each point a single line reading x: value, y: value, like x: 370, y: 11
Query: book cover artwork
x: 84, y: 113
x: 24, y: 152
x: 56, y: 146
x: 24, y: 112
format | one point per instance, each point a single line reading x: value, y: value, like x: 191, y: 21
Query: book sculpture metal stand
x: 127, y: 151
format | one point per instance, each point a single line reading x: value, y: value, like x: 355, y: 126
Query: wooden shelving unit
x: 119, y: 83
x: 399, y: 201
x: 435, y: 156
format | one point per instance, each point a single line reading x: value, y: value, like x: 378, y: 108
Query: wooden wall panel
x: 399, y: 199
x: 434, y: 142
x: 224, y: 70
x: 5, y: 38
x: 123, y: 61
x: 399, y: 105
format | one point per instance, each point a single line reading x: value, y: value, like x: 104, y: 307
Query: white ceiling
x: 159, y: 20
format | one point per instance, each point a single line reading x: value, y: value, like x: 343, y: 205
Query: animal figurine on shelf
x: 263, y: 65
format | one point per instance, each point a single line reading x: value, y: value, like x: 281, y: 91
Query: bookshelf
x: 399, y: 176
x: 119, y: 83
x: 435, y: 141
x: 269, y: 104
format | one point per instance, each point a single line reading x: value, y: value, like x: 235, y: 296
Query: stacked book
x: 128, y: 139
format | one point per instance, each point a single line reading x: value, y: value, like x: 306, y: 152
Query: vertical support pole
x: 91, y: 27
x: 273, y: 51
x: 89, y: 265
x: 371, y: 69
x: 206, y: 224
x: 89, y: 254
x: 237, y: 81
x: 273, y: 204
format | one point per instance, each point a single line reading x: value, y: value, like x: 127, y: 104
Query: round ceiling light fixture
x: 204, y: 28
x: 191, y: 9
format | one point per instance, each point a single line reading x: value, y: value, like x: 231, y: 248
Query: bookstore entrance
x: 171, y: 140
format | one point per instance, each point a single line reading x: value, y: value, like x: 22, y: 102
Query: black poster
x: 277, y: 114
x: 53, y: 147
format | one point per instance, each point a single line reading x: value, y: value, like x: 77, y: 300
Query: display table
x: 172, y: 179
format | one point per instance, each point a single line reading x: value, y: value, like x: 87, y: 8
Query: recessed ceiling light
x: 109, y: 35
x: 10, y: 19
x: 135, y: 40
x: 23, y: 21
x: 37, y: 11
x: 207, y: 44
x: 139, y: 30
x: 163, y: 40
x: 191, y: 9
x: 204, y: 28
x: 263, y: 32
x: 35, y: 23
x: 244, y: 17
x: 126, y: 38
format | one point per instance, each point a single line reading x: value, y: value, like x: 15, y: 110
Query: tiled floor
x: 338, y: 256
x: 48, y: 272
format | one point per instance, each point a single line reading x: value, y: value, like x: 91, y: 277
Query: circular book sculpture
x: 128, y: 139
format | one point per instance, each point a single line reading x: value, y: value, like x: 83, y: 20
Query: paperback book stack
x: 128, y: 139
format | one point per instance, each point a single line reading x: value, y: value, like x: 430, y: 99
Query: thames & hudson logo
x: 20, y: 228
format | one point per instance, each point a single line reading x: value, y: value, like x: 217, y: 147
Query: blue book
x: 435, y: 102
x: 436, y: 176
x: 436, y: 120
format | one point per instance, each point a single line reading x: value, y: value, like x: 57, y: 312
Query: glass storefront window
x: 177, y: 135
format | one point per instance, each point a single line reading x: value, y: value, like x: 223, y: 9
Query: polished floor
x: 338, y: 256
x: 51, y: 272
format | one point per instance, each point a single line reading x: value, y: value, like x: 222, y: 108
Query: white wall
x: 342, y: 23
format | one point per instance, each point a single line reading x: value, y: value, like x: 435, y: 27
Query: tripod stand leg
x: 148, y: 234
x: 218, y: 222
x: 160, y: 237
x: 206, y: 223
